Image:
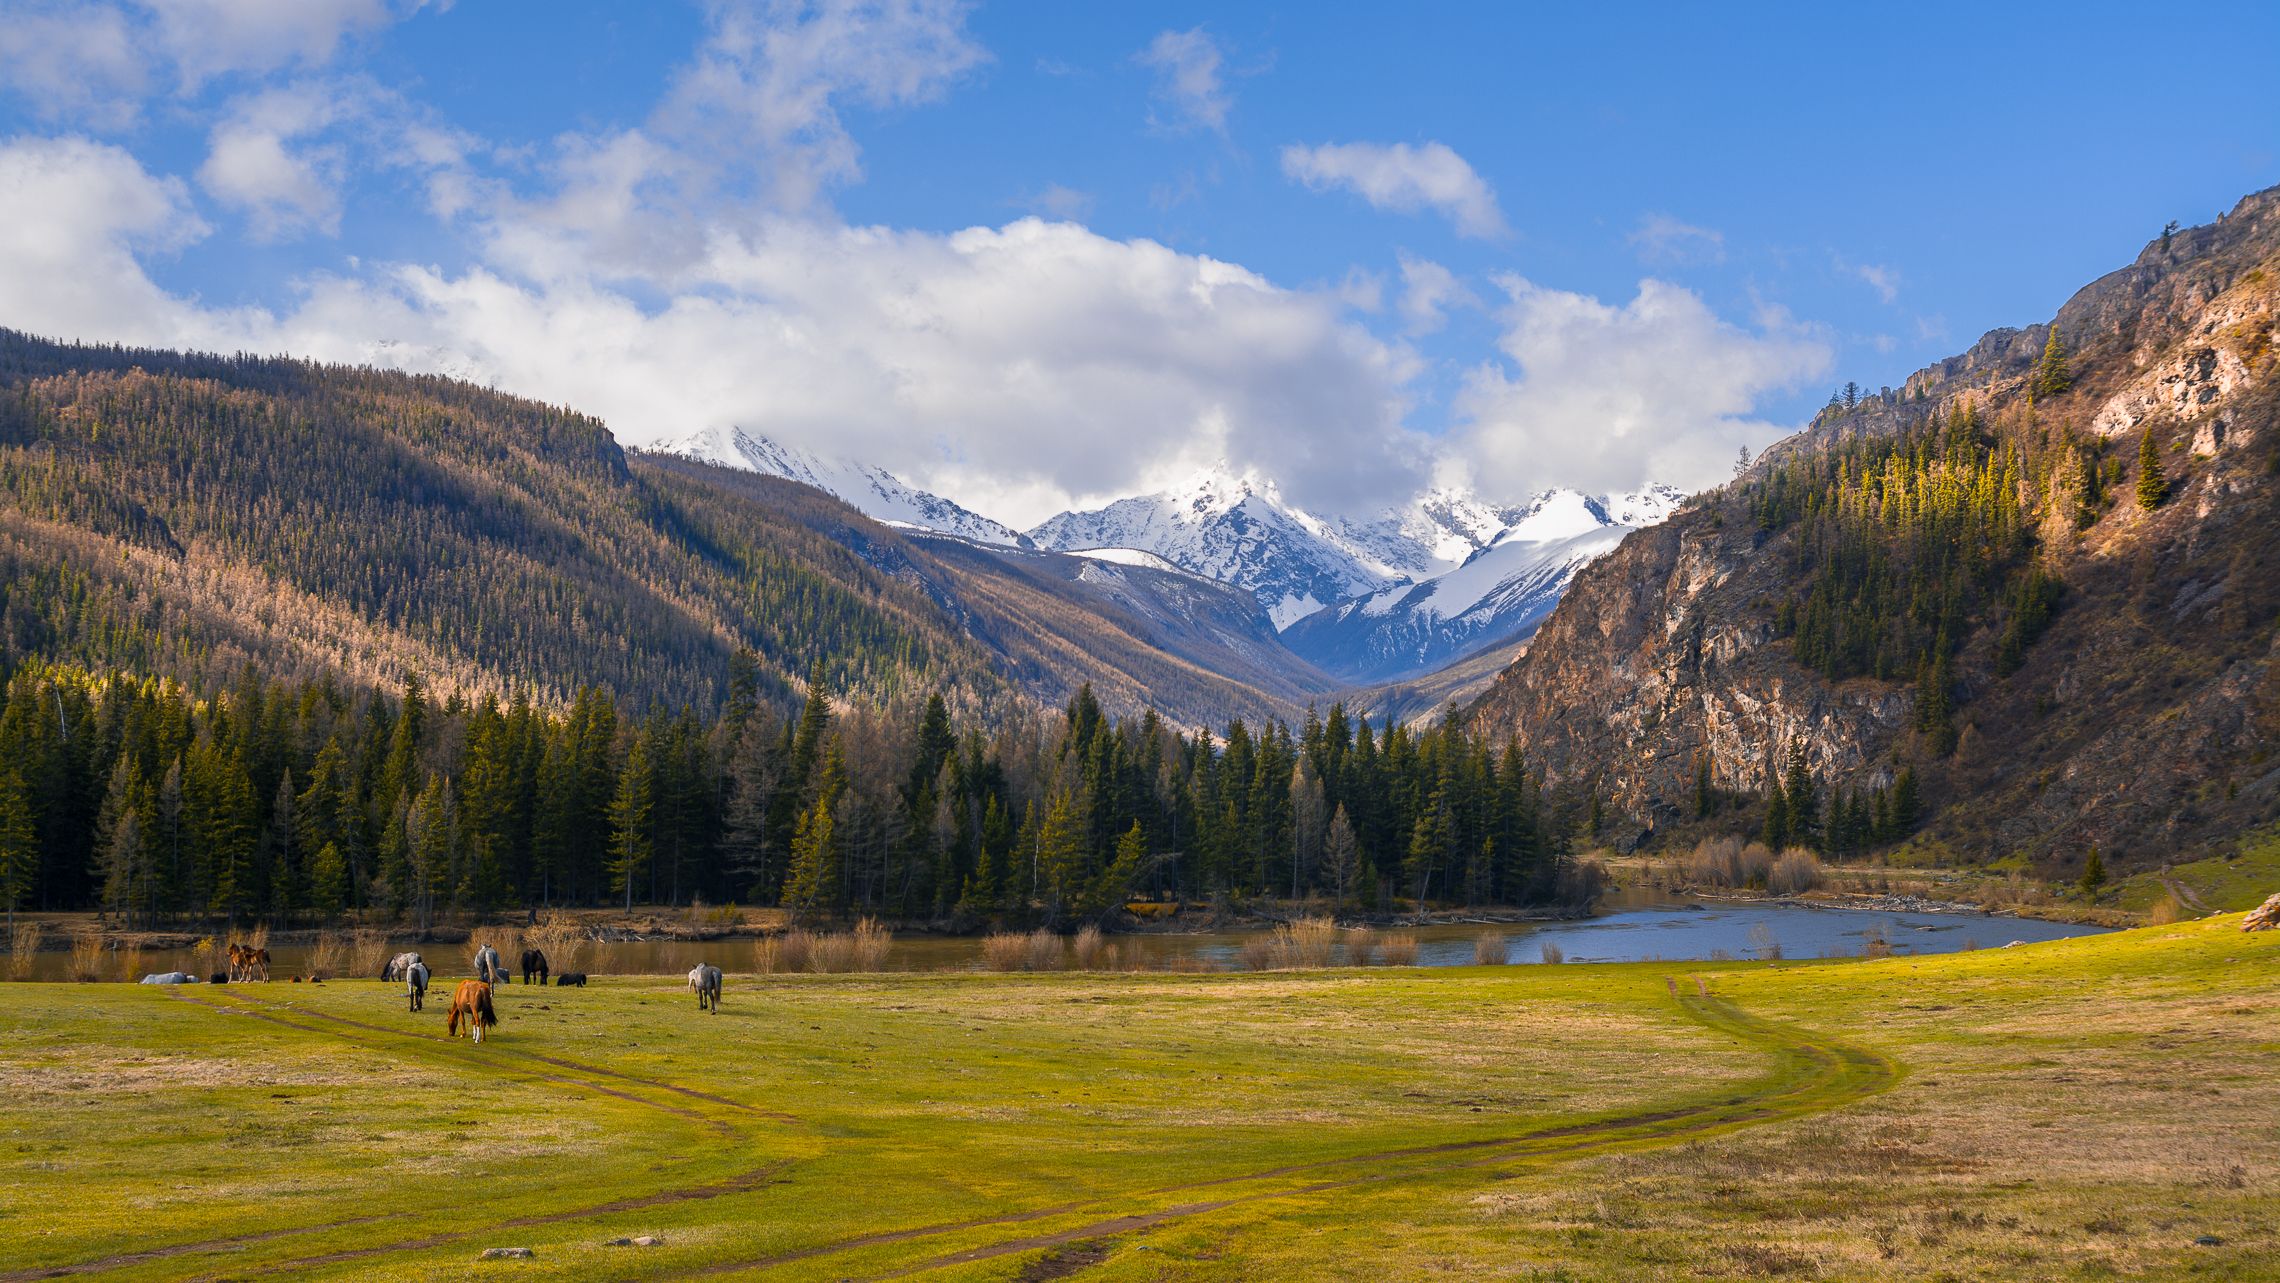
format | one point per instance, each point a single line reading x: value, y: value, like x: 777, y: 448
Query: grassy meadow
x: 2083, y: 1109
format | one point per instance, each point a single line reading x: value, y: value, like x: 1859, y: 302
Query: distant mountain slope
x: 1957, y: 578
x: 1197, y: 651
x: 1496, y: 597
x: 874, y: 492
x: 190, y: 515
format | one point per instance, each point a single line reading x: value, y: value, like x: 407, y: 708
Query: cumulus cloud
x: 1608, y: 397
x: 78, y: 213
x: 1428, y: 290
x: 73, y: 62
x: 1190, y: 83
x: 1660, y: 238
x: 1400, y: 177
x: 750, y: 130
x: 254, y: 165
x: 1012, y: 367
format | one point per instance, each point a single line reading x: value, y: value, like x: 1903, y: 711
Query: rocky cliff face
x: 2142, y: 721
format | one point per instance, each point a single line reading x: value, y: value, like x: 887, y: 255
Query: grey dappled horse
x: 415, y: 984
x: 704, y: 981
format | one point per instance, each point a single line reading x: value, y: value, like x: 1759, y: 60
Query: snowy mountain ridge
x: 1238, y: 528
x: 874, y: 492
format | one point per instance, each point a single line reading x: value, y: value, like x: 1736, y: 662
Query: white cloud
x: 209, y: 38
x: 1400, y: 177
x: 252, y: 164
x: 1660, y: 238
x: 749, y: 130
x: 1428, y: 290
x: 1884, y: 280
x: 77, y: 213
x: 73, y: 62
x: 1016, y: 368
x: 1189, y: 79
x: 1608, y: 398
x: 1065, y: 203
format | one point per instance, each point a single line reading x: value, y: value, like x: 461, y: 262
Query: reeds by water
x: 1491, y: 951
x: 23, y: 946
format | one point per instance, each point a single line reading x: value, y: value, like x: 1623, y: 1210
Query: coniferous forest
x: 298, y: 802
x: 283, y: 641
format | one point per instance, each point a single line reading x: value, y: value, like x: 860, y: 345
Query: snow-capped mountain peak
x: 874, y: 492
x: 1499, y: 594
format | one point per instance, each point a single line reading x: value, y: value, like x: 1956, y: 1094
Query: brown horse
x: 472, y: 1001
x: 248, y: 963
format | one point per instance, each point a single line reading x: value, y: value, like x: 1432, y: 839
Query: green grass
x: 2076, y: 1110
x: 2226, y: 884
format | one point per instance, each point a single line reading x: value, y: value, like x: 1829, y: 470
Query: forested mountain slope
x: 2034, y: 588
x: 190, y: 515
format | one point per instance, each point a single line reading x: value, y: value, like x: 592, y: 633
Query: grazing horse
x: 533, y: 963
x: 399, y: 966
x: 415, y: 984
x: 704, y: 981
x: 488, y: 968
x: 471, y: 1002
x: 568, y: 978
x: 248, y: 962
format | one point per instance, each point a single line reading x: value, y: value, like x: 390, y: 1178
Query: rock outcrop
x: 2264, y: 917
x: 2143, y: 720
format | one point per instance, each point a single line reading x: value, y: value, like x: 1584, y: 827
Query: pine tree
x: 1905, y: 804
x: 1776, y: 831
x: 1802, y: 798
x: 631, y: 810
x: 19, y: 843
x: 328, y: 882
x: 1704, y: 798
x: 812, y: 882
x: 2051, y: 376
x: 1343, y: 854
x: 2152, y: 483
x: 2093, y: 873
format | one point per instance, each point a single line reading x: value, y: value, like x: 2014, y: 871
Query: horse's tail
x: 483, y: 1011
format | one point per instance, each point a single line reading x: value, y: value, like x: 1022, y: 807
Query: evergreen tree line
x: 297, y: 802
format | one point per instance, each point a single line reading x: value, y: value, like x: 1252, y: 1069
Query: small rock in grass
x: 2208, y: 1240
x: 646, y: 1240
x: 507, y: 1254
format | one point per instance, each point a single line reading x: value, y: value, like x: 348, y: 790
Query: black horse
x: 577, y: 978
x: 533, y: 963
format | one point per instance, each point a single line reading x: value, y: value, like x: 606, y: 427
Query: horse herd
x: 471, y: 1004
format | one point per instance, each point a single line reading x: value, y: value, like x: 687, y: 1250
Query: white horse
x: 704, y: 981
x: 488, y: 968
x: 416, y: 984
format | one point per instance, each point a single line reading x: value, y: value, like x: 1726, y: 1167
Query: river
x: 1660, y: 930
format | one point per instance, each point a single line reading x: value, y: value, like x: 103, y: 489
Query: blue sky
x: 1356, y: 250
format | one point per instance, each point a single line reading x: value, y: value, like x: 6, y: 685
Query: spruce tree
x: 2051, y: 376
x: 2152, y: 483
x: 19, y: 843
x: 2093, y: 873
x: 631, y: 811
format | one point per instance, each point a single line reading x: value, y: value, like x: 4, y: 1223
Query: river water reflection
x: 1665, y: 930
